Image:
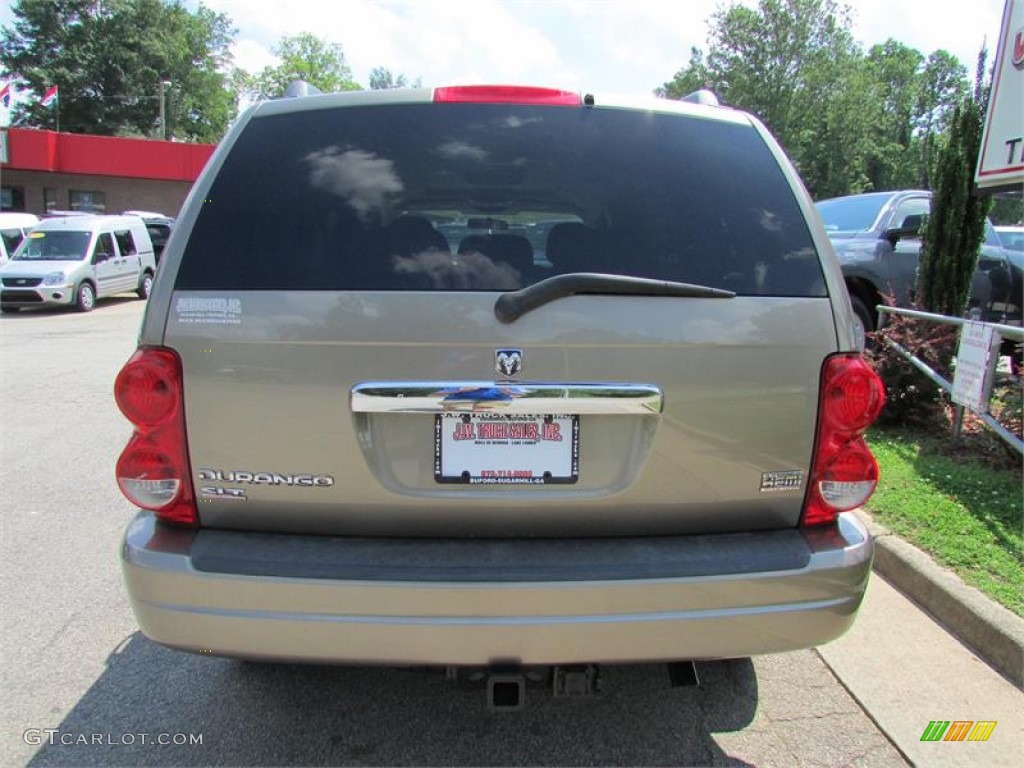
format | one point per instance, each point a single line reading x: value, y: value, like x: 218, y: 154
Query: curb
x: 994, y: 633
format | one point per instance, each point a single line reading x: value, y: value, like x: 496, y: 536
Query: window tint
x: 915, y: 206
x: 158, y: 233
x: 125, y: 242
x: 851, y: 214
x: 12, y: 238
x: 496, y: 197
x: 104, y: 245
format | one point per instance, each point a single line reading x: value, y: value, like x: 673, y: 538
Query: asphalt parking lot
x: 84, y: 687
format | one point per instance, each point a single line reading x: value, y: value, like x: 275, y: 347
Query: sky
x: 617, y: 46
x: 623, y: 46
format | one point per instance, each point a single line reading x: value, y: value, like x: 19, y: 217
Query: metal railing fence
x: 1000, y: 332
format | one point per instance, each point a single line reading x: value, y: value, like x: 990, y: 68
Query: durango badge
x: 508, y: 362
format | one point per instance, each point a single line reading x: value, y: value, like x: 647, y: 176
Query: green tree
x: 836, y: 140
x: 850, y: 121
x: 795, y: 64
x: 694, y: 76
x: 954, y: 231
x: 305, y: 57
x: 381, y: 78
x: 943, y: 85
x: 1008, y: 210
x: 916, y: 96
x: 109, y: 58
x: 896, y: 70
x: 761, y: 57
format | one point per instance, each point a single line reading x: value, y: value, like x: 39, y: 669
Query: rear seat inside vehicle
x: 408, y: 235
x: 513, y: 251
x: 575, y: 247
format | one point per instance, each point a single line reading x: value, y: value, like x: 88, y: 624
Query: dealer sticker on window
x: 499, y: 449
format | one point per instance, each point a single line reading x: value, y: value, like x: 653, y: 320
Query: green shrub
x: 911, y: 398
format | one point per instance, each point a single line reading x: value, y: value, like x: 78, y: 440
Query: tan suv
x: 629, y: 435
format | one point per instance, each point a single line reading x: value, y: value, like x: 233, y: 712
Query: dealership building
x: 42, y: 171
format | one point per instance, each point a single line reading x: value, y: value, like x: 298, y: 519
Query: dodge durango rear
x: 490, y: 376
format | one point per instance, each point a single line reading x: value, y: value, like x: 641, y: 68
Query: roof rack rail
x: 298, y: 88
x: 53, y: 213
x: 702, y: 96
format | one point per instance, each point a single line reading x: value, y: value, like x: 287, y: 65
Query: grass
x: 966, y: 513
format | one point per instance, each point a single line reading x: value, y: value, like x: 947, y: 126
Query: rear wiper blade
x: 511, y: 306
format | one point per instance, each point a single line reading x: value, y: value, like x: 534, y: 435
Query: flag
x: 5, y: 95
x: 49, y: 97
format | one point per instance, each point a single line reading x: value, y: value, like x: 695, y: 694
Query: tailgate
x: 388, y: 413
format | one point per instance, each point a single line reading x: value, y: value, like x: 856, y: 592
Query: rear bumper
x: 405, y: 602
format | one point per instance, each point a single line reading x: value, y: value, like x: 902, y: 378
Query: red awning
x: 34, y: 150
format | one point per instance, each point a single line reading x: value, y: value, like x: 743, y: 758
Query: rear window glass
x: 497, y: 197
x: 158, y: 233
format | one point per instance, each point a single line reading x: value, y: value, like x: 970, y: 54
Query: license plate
x: 495, y: 449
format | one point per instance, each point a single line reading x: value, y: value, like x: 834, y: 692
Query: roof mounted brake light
x: 506, y: 94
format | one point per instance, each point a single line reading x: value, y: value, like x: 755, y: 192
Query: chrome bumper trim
x: 511, y: 397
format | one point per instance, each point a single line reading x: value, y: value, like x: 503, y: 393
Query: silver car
x: 359, y: 439
x: 75, y: 260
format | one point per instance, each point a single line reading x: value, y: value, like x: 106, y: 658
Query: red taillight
x: 153, y: 471
x: 852, y: 395
x: 843, y: 471
x: 148, y: 388
x: 506, y: 94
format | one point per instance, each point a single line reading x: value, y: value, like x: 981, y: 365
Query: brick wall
x: 121, y: 194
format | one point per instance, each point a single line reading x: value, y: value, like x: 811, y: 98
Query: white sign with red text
x: 500, y: 449
x: 971, y: 384
x: 1001, y: 161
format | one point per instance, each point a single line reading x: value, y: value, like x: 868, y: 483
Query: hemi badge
x: 788, y: 480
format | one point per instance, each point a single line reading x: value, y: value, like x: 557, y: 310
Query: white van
x: 13, y: 227
x: 76, y: 260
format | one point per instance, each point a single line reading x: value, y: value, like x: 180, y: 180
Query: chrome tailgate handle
x: 506, y: 397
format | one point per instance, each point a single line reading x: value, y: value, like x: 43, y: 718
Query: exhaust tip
x: 506, y: 693
x: 683, y: 674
